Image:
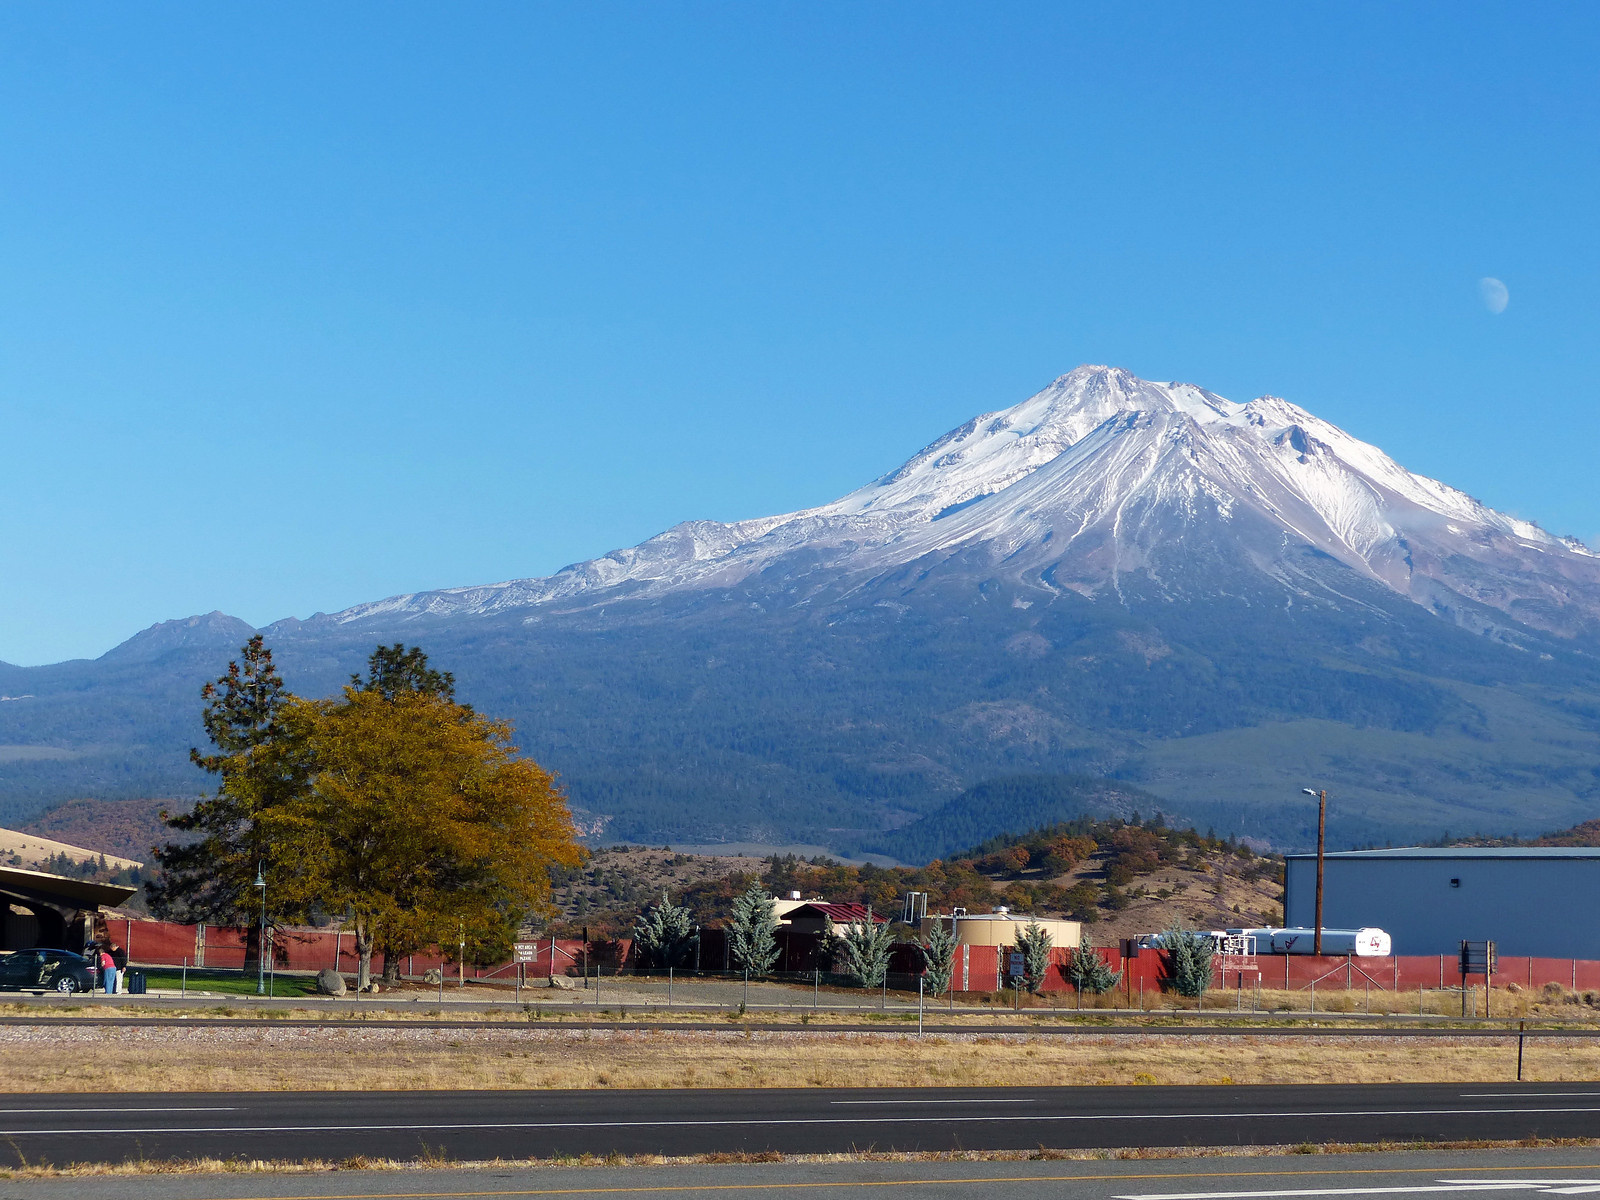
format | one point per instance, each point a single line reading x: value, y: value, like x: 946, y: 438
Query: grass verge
x: 261, y: 1056
x: 231, y: 983
x: 239, y: 1166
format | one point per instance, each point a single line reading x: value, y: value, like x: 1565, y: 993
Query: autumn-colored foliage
x: 417, y: 820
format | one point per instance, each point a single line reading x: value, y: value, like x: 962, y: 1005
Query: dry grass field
x: 264, y: 1057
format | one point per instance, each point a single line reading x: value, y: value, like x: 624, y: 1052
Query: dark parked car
x: 45, y: 971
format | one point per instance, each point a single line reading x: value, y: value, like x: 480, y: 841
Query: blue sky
x: 303, y: 305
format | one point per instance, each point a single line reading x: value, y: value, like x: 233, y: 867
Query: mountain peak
x: 1099, y: 477
x: 208, y: 631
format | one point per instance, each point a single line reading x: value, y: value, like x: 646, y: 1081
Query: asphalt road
x: 335, y: 1126
x: 1394, y: 1176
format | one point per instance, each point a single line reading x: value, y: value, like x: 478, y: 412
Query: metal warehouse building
x: 1541, y: 901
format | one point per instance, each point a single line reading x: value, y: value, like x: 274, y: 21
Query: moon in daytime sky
x: 1494, y: 293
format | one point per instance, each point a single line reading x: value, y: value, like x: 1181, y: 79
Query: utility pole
x: 1322, y: 838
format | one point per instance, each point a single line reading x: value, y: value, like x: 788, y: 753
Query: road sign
x: 1477, y: 958
x: 1019, y: 966
x: 525, y: 952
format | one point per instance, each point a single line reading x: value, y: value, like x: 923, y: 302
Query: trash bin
x: 136, y: 984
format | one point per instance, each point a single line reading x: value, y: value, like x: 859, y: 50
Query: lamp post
x: 261, y: 946
x: 1322, y: 837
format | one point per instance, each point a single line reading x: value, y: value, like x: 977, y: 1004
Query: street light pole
x: 1322, y: 837
x: 261, y: 944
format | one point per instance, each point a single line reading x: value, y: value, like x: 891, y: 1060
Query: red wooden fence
x: 977, y: 968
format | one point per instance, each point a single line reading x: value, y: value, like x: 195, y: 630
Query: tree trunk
x: 363, y: 955
x: 391, y: 969
x: 252, y: 947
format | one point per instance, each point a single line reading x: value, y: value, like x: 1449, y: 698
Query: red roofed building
x: 819, y: 917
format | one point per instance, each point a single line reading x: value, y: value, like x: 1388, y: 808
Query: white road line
x: 749, y: 1122
x: 162, y: 1108
x: 1474, y: 1186
x: 1510, y: 1095
x: 1558, y: 1187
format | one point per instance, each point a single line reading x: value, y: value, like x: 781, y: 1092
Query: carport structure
x: 54, y: 911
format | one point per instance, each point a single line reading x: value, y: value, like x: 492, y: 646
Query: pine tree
x: 750, y: 932
x: 939, y: 955
x: 1034, y: 944
x: 664, y: 936
x: 865, y: 950
x: 1088, y: 972
x: 393, y: 670
x: 1189, y: 957
x: 210, y: 874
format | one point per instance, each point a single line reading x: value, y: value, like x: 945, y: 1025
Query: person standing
x: 108, y: 971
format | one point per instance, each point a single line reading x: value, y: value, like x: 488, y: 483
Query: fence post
x: 185, y: 990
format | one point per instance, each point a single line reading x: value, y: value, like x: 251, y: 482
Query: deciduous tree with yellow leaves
x: 417, y: 820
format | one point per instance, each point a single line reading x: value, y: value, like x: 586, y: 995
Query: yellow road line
x: 882, y: 1183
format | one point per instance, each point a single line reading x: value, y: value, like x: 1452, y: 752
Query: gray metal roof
x: 79, y: 891
x: 1463, y: 852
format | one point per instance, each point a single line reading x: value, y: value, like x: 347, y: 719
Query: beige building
x: 1000, y: 928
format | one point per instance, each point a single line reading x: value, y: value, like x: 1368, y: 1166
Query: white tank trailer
x: 1363, y: 943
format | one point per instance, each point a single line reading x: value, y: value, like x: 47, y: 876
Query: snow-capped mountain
x: 1098, y: 477
x: 1114, y: 584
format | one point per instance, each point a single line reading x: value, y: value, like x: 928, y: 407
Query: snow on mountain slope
x: 1099, y: 476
